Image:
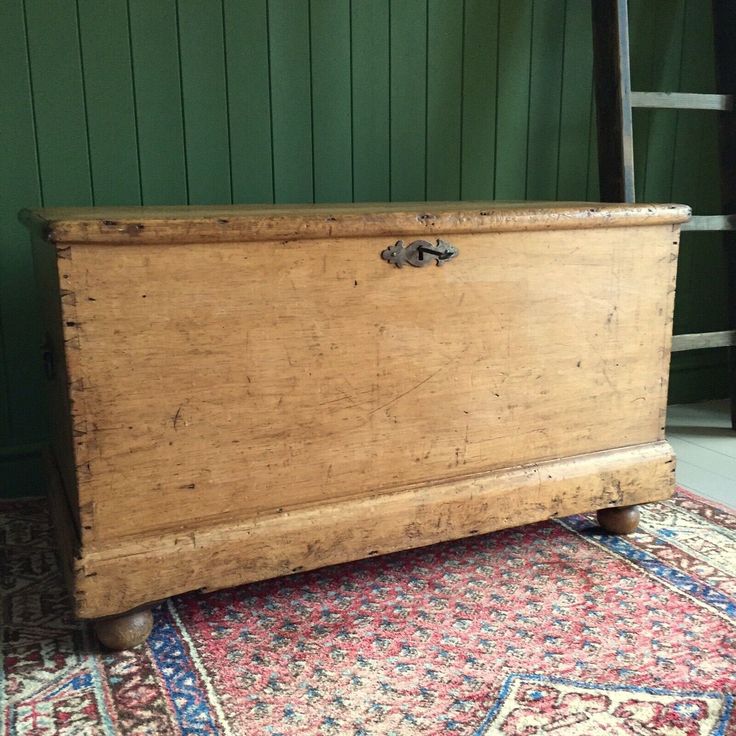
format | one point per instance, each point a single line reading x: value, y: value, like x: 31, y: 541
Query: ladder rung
x: 710, y: 222
x: 699, y: 340
x: 682, y: 100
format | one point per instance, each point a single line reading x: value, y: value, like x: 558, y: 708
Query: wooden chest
x: 245, y: 392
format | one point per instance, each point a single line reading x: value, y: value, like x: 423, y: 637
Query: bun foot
x: 619, y: 520
x: 125, y: 631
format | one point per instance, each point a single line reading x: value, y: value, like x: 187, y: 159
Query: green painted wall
x: 211, y: 101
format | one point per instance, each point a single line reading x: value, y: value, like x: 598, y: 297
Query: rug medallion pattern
x: 552, y: 628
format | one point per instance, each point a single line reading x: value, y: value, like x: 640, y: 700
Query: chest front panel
x: 221, y: 380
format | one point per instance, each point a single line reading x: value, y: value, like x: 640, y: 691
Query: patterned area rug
x: 551, y: 629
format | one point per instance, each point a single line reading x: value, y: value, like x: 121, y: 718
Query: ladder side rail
x: 724, y: 37
x: 612, y: 77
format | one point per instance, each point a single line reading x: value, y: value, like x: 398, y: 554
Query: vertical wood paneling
x: 59, y: 102
x: 60, y: 115
x: 545, y: 88
x: 291, y: 100
x: 331, y: 113
x: 655, y: 183
x: 444, y: 98
x: 695, y: 176
x: 480, y: 76
x: 21, y: 409
x: 656, y: 135
x: 512, y: 111
x: 642, y: 31
x: 108, y: 86
x: 159, y: 118
x: 575, y: 110
x: 249, y: 97
x: 371, y: 97
x: 205, y: 97
x: 179, y: 101
x: 408, y: 64
x: 695, y: 164
x: 700, y: 300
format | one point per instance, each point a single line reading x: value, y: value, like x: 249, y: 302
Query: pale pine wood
x: 218, y: 388
x: 283, y: 543
x: 710, y: 223
x: 64, y: 515
x: 273, y: 393
x: 52, y: 302
x: 682, y: 101
x: 698, y: 340
x: 242, y: 223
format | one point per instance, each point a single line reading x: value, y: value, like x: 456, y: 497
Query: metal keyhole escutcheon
x: 420, y: 253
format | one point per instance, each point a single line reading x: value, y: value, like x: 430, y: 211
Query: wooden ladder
x: 614, y: 103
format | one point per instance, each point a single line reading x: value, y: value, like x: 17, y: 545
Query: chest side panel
x: 57, y: 307
x: 230, y: 380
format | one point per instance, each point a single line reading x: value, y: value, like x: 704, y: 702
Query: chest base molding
x: 125, y: 576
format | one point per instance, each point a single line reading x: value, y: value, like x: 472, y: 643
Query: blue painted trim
x: 496, y: 706
x: 651, y: 564
x: 720, y: 730
x: 187, y: 696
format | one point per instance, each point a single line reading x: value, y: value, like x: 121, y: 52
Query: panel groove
x: 371, y: 143
x: 562, y: 90
x: 352, y: 107
x: 390, y: 107
x: 227, y: 104
x: 534, y: 10
x: 33, y: 106
x: 181, y: 95
x: 462, y: 101
x: 331, y: 109
x: 311, y: 98
x: 498, y: 78
x: 426, y: 99
x: 545, y: 88
x: 679, y: 87
x: 408, y: 104
x: 135, y: 103
x: 480, y: 66
x: 270, y: 99
x: 84, y: 100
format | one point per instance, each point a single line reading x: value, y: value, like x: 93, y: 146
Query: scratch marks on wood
x: 461, y: 452
x: 175, y: 418
x: 407, y: 392
x: 68, y: 297
x: 84, y: 469
x: 132, y: 229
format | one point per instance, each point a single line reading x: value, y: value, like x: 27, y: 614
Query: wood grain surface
x: 243, y: 408
x: 241, y: 223
x: 236, y: 552
x: 211, y: 381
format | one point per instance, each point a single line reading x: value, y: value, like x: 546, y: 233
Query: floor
x: 705, y: 446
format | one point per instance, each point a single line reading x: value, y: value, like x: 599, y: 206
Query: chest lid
x: 228, y: 223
